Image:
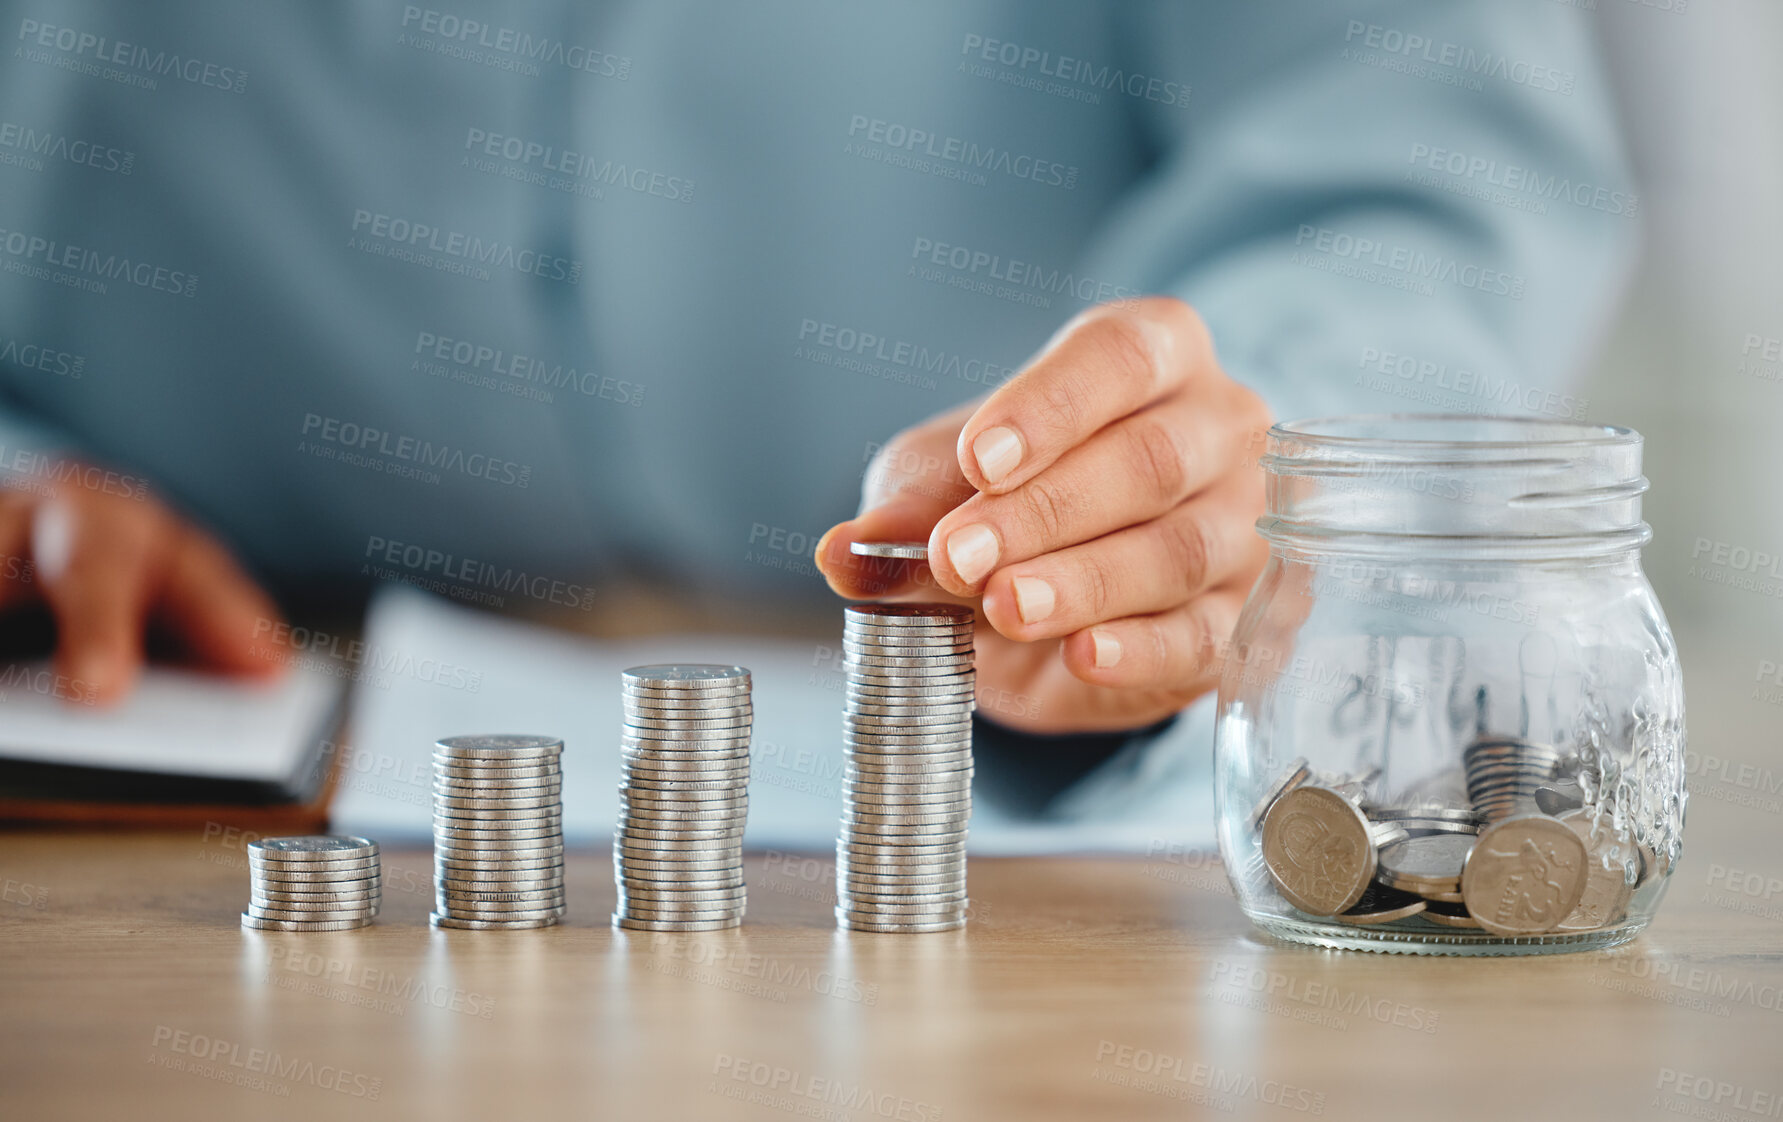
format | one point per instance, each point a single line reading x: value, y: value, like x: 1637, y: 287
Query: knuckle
x: 1045, y: 510
x: 1187, y: 551
x: 1126, y: 348
x: 1095, y: 587
x: 1156, y: 454
x: 1065, y: 401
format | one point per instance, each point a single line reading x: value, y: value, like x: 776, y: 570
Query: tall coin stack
x: 907, y: 783
x: 497, y: 832
x: 684, y: 797
x: 318, y: 883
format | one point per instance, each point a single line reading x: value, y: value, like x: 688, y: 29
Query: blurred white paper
x: 175, y: 722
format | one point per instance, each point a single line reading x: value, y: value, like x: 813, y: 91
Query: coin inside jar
x: 1524, y: 876
x: 1426, y: 864
x: 1317, y: 847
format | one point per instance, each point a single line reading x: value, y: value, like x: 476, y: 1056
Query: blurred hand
x: 1102, y: 506
x: 109, y: 564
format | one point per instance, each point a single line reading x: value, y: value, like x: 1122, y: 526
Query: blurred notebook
x: 182, y: 748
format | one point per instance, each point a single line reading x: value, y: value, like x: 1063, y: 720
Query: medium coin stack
x: 1504, y: 772
x: 907, y: 781
x: 683, y: 797
x: 497, y: 832
x: 318, y: 883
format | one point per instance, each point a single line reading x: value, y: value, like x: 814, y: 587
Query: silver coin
x: 257, y: 924
x: 489, y: 909
x: 892, y: 913
x: 688, y: 675
x: 717, y: 765
x: 660, y: 809
x: 1524, y: 876
x: 951, y: 652
x: 909, y: 771
x: 437, y: 920
x: 685, y: 786
x: 332, y: 876
x: 313, y: 915
x: 1380, y: 904
x: 456, y: 756
x: 311, y: 847
x: 946, y: 790
x: 677, y: 914
x: 468, y: 852
x: 958, y: 724
x: 900, y: 928
x: 677, y: 865
x: 727, y: 850
x: 498, y: 830
x: 901, y: 612
x: 264, y: 895
x: 650, y: 880
x: 1465, y: 815
x: 691, y: 705
x: 904, y: 551
x: 371, y: 884
x: 855, y: 834
x: 693, y: 729
x: 493, y: 773
x: 924, y: 880
x: 1425, y: 864
x: 313, y: 864
x: 552, y: 789
x: 545, y: 881
x: 548, y: 801
x: 630, y: 923
x: 869, y: 744
x: 660, y: 896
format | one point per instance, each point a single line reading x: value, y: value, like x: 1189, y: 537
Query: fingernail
x: 972, y: 551
x: 1033, y: 599
x: 998, y: 451
x: 1108, y: 649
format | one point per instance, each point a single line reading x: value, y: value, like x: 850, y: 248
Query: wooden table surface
x: 1084, y: 988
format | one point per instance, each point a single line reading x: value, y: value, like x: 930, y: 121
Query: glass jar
x: 1451, y: 719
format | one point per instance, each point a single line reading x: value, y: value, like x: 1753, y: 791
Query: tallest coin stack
x: 907, y: 743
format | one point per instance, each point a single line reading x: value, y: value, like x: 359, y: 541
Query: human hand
x: 108, y: 561
x: 1101, y: 504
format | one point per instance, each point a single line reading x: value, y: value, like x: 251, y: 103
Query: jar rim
x: 1375, y: 430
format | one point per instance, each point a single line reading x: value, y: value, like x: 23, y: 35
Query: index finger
x: 1106, y: 363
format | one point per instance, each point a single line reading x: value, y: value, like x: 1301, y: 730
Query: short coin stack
x: 1504, y: 772
x: 684, y: 797
x: 497, y: 832
x: 907, y: 783
x: 312, y: 884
